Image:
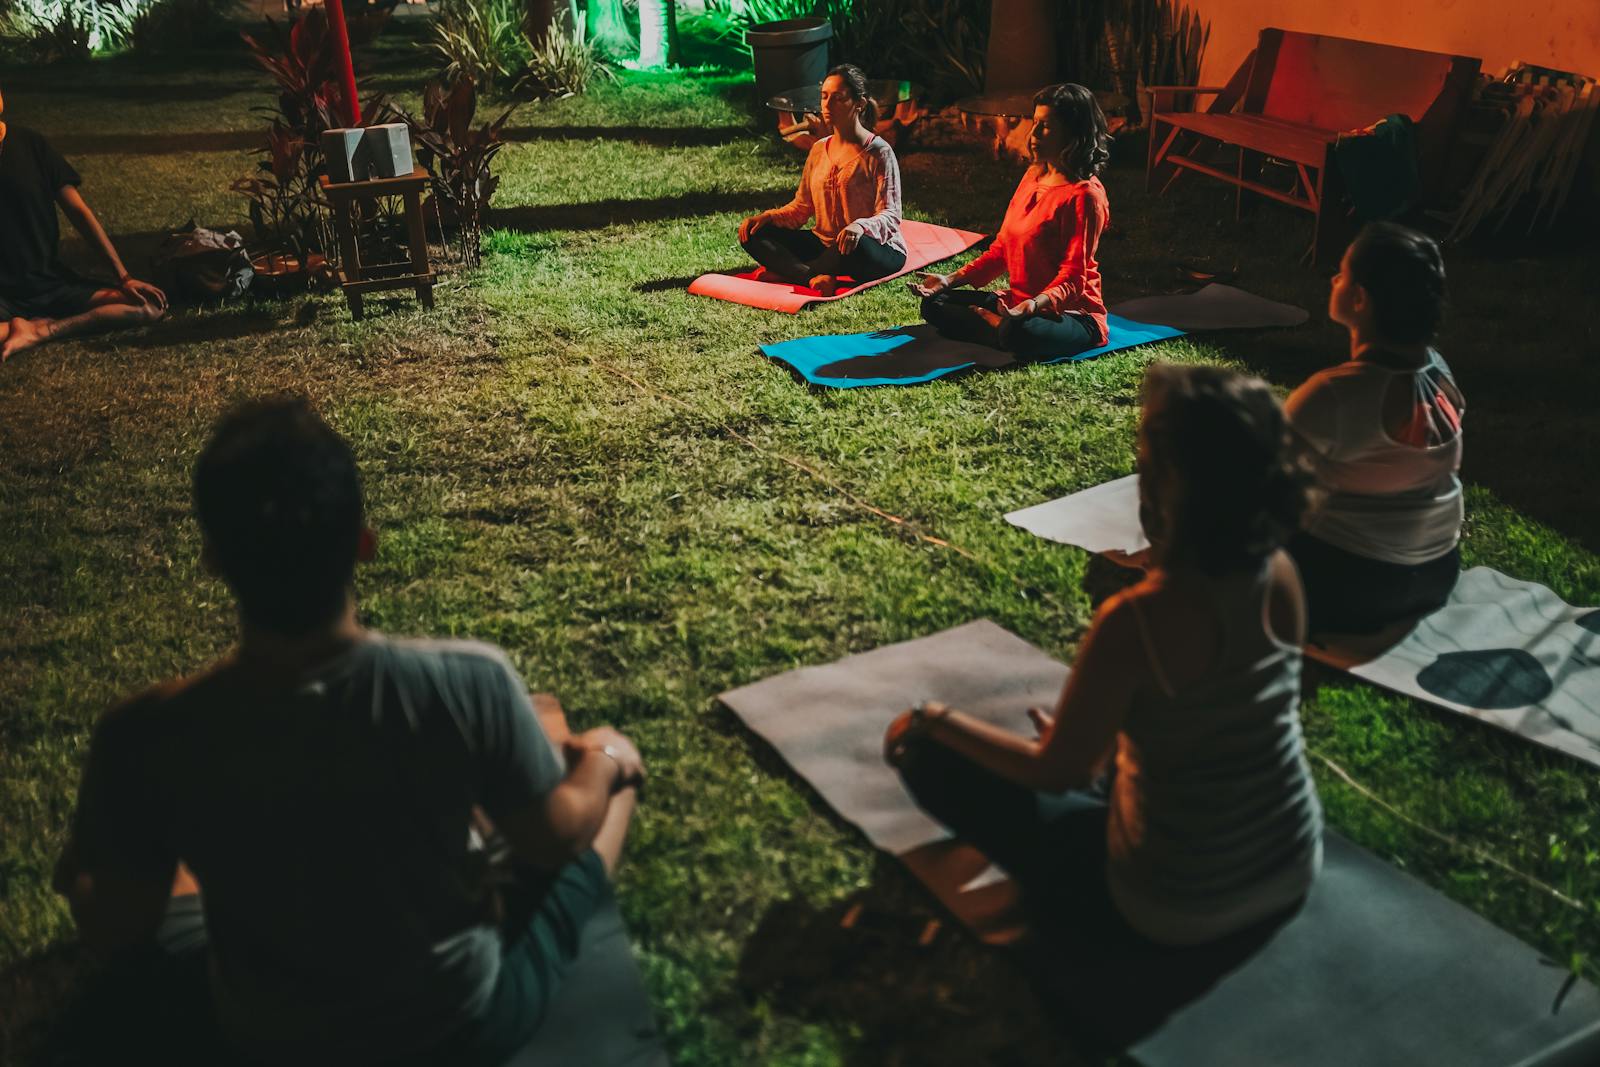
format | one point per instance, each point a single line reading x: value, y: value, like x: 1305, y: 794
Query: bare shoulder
x: 1175, y: 621
x: 1286, y: 600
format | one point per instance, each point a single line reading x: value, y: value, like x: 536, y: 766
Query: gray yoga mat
x: 1376, y: 969
x: 1506, y: 652
x: 1215, y: 307
x: 601, y: 1016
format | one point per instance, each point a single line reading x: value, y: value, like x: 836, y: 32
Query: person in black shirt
x: 40, y: 298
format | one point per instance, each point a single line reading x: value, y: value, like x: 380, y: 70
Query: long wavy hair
x: 1079, y: 115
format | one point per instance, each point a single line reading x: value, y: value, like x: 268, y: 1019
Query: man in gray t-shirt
x: 326, y: 785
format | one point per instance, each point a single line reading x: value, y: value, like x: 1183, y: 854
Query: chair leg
x: 419, y: 246
x: 349, y: 254
x: 1332, y: 230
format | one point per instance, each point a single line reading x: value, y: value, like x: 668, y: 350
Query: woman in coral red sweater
x: 1046, y: 246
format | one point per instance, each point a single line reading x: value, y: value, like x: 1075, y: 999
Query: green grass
x: 575, y: 459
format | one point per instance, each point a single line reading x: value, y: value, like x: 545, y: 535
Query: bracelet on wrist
x: 616, y: 760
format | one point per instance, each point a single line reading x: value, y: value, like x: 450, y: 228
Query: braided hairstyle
x: 1403, y: 273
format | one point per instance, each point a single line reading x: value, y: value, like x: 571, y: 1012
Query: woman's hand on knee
x: 849, y: 237
x: 908, y: 726
x: 748, y: 228
x: 931, y: 284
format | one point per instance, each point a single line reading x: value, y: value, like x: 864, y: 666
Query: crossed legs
x: 109, y: 309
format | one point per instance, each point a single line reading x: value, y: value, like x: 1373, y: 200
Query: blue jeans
x: 1036, y: 337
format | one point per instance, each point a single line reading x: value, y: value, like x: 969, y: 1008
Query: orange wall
x: 1555, y: 33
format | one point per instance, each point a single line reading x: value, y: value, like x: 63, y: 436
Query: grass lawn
x: 577, y: 460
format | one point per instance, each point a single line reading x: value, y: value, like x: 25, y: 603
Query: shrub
x: 564, y: 63
x: 482, y: 40
x: 458, y: 158
x: 53, y: 31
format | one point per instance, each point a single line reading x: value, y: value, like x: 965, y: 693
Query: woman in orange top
x: 1046, y: 246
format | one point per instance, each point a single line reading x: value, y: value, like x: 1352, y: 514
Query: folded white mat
x: 1506, y: 652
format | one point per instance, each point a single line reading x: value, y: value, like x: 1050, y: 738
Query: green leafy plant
x: 564, y: 62
x: 459, y: 158
x: 1123, y: 45
x: 286, y: 207
x: 483, y: 40
x: 54, y: 31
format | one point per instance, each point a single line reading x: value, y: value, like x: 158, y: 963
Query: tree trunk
x: 607, y: 26
x: 658, y: 33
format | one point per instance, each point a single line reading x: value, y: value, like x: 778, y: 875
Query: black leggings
x: 796, y: 256
x: 1052, y: 844
x: 1351, y: 594
x: 1035, y: 337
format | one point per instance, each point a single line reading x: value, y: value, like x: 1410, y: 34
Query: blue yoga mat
x: 907, y: 355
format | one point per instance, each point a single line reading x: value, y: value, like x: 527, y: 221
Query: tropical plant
x: 482, y: 40
x: 52, y: 31
x: 564, y: 62
x: 459, y: 157
x: 286, y: 205
x: 1124, y: 45
x: 288, y: 208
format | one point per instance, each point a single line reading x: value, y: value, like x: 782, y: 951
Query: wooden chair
x: 1289, y: 102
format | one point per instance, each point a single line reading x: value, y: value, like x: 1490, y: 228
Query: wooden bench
x: 1289, y: 102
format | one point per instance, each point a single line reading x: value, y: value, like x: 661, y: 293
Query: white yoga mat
x: 1506, y: 652
x: 1216, y: 307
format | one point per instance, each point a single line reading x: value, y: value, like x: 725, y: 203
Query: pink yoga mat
x: 925, y: 244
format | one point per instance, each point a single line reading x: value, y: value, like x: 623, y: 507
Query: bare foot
x: 988, y: 316
x: 24, y: 334
x: 825, y: 284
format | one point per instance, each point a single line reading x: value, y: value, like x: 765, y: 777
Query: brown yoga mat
x: 1375, y: 969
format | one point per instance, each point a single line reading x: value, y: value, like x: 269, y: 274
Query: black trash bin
x: 789, y: 53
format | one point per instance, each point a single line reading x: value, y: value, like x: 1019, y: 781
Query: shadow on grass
x: 678, y: 284
x: 620, y: 212
x: 196, y: 326
x: 912, y: 987
x: 655, y: 136
x: 159, y: 144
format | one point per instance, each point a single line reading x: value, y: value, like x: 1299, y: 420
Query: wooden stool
x: 417, y: 274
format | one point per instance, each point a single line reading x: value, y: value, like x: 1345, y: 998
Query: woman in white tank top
x: 1188, y: 683
x: 1383, y: 430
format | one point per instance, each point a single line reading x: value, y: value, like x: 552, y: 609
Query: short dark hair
x: 1241, y: 486
x: 1084, y: 123
x: 855, y: 79
x: 278, y: 498
x: 1403, y: 273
